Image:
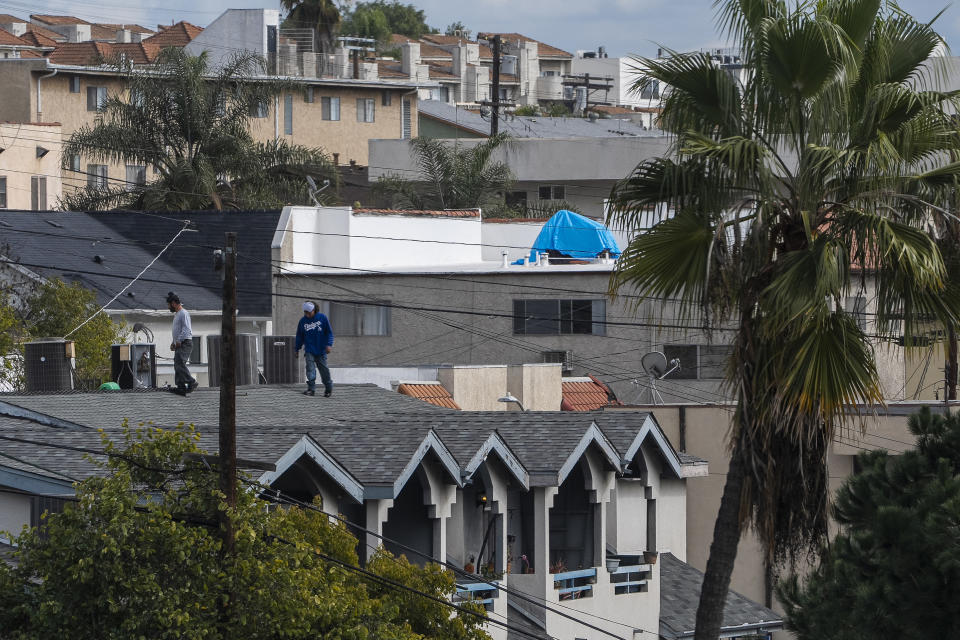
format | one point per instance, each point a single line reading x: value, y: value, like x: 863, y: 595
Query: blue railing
x: 632, y: 581
x: 575, y: 584
x: 479, y: 592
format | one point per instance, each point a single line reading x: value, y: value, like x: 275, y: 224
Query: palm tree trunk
x: 723, y: 553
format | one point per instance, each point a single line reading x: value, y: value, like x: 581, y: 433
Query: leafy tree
x: 452, y: 176
x: 458, y: 29
x: 118, y: 565
x: 191, y: 124
x: 784, y: 187
x: 52, y: 308
x: 323, y: 16
x: 527, y: 110
x: 894, y: 570
x: 380, y: 19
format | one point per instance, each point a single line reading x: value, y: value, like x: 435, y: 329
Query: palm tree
x: 452, y: 176
x: 188, y: 124
x: 786, y: 189
x: 323, y: 16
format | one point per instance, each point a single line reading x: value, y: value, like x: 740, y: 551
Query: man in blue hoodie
x: 315, y: 335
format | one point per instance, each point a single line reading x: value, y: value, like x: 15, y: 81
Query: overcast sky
x: 624, y: 27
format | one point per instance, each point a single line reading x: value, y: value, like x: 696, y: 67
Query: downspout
x: 40, y: 94
x: 276, y: 118
x: 402, y: 96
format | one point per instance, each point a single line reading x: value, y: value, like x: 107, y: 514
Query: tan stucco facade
x: 30, y: 165
x: 33, y: 92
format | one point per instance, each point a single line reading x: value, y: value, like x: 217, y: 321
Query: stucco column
x: 376, y: 516
x: 439, y: 497
x: 542, y: 502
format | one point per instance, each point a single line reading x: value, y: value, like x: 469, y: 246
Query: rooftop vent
x: 247, y: 372
x: 48, y: 364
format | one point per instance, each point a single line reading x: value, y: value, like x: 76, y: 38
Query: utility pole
x: 495, y: 98
x: 228, y: 391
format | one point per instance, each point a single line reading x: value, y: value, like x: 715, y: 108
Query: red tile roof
x: 543, y: 49
x: 432, y: 392
x: 91, y: 53
x: 48, y: 19
x: 439, y: 38
x: 45, y: 33
x: 178, y: 35
x: 390, y: 69
x: 437, y: 213
x: 586, y: 394
x: 7, y: 38
x: 442, y: 73
x: 6, y: 18
x: 37, y: 39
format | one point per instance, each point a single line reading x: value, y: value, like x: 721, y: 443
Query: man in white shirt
x: 182, y: 346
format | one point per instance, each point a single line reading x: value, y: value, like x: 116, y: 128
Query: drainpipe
x: 276, y: 118
x: 40, y: 94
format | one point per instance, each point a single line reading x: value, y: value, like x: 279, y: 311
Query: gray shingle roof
x: 680, y: 594
x: 105, y: 250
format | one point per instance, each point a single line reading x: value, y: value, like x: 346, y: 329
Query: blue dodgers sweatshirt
x: 315, y: 334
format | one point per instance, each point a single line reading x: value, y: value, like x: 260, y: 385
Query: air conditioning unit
x: 134, y: 366
x: 48, y: 364
x: 561, y: 357
x: 247, y: 372
x: 280, y: 366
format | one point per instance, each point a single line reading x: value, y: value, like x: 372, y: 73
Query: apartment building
x: 30, y: 165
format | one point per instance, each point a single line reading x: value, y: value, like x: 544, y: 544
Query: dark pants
x: 317, y: 361
x: 181, y: 374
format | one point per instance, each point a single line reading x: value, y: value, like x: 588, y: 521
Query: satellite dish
x: 657, y: 367
x: 312, y: 183
x: 313, y: 190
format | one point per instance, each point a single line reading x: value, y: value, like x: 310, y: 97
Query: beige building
x: 30, y: 165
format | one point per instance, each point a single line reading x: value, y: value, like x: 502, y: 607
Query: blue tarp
x: 573, y: 235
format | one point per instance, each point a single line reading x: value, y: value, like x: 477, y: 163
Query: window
x: 365, y: 108
x: 3, y: 192
x: 288, y: 114
x: 553, y: 192
x: 259, y: 109
x: 38, y: 193
x: 136, y: 97
x: 556, y: 317
x: 444, y: 93
x: 386, y: 99
x: 74, y: 84
x: 698, y: 361
x: 96, y: 97
x: 406, y: 131
x: 357, y: 319
x: 136, y: 176
x: 308, y: 95
x: 97, y: 176
x: 196, y: 356
x: 330, y: 108
x: 857, y: 307
x: 75, y: 162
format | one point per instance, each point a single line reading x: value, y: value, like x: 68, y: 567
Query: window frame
x: 344, y: 329
x: 327, y: 108
x: 38, y: 193
x: 386, y: 98
x: 75, y: 84
x: 3, y: 192
x: 288, y: 114
x: 560, y: 316
x: 130, y: 185
x: 714, y: 360
x: 97, y: 176
x: 96, y: 98
x: 366, y: 110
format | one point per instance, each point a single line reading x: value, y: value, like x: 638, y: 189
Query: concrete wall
x: 475, y: 388
x: 233, y: 30
x: 537, y: 386
x: 19, y: 162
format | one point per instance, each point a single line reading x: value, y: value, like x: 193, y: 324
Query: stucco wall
x: 233, y: 30
x: 19, y: 162
x: 14, y: 514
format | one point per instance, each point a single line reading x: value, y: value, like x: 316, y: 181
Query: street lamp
x: 510, y: 398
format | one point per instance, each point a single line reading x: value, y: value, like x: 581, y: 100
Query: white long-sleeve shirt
x: 182, y: 330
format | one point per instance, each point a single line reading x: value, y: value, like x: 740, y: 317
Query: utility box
x: 134, y: 366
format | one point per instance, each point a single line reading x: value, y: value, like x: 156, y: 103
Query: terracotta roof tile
x: 586, y: 394
x: 178, y: 35
x: 37, y: 39
x: 134, y: 28
x: 390, y: 69
x: 437, y: 213
x: 91, y: 53
x: 6, y: 18
x: 48, y: 19
x: 45, y: 33
x: 30, y: 53
x: 439, y: 72
x: 439, y: 38
x: 432, y: 392
x: 7, y: 38
x: 543, y: 49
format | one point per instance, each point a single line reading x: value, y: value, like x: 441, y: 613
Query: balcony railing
x: 479, y: 592
x: 575, y: 584
x: 630, y: 579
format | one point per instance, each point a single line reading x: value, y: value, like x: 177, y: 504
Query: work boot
x: 309, y: 392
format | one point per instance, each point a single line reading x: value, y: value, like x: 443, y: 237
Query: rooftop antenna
x: 314, y: 190
x: 657, y: 368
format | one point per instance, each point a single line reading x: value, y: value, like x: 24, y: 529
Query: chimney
x: 124, y: 35
x: 410, y: 52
